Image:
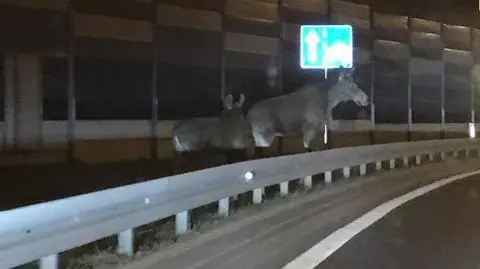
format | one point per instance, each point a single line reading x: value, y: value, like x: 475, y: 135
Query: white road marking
x: 322, y: 250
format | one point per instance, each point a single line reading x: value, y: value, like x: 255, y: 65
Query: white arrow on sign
x: 312, y: 41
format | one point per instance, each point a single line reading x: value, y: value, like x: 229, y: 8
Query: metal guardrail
x: 41, y: 231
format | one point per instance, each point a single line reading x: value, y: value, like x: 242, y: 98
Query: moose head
x: 346, y: 89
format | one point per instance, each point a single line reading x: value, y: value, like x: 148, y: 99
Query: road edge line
x: 334, y: 241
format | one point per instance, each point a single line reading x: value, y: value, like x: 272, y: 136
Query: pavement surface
x: 438, y: 230
x: 273, y: 238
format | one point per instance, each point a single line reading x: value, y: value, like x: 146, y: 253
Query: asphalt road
x: 438, y: 230
x: 272, y: 238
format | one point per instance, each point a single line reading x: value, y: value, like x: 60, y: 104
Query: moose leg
x: 308, y: 137
x: 262, y: 141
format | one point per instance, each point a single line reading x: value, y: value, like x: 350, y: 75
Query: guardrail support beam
x: 307, y: 182
x: 363, y: 169
x: 49, y: 262
x: 182, y: 221
x: 224, y: 207
x: 328, y: 177
x: 284, y: 188
x: 126, y: 242
x: 346, y: 172
x: 257, y: 196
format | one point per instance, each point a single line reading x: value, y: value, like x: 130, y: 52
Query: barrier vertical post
x: 49, y: 262
x: 71, y: 102
x: 346, y: 172
x: 182, y: 222
x: 126, y: 242
x: 224, y: 207
x: 154, y: 91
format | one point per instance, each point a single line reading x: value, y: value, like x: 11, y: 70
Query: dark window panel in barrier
x: 252, y: 27
x: 33, y: 29
x: 113, y: 89
x: 188, y: 91
x: 390, y: 7
x: 391, y: 104
x: 390, y: 68
x: 185, y: 46
x: 252, y: 9
x: 54, y: 88
x: 89, y: 47
x: 2, y: 87
x: 212, y: 5
x: 303, y: 17
x: 457, y: 93
x: 423, y: 25
x: 350, y: 9
x: 426, y: 45
x: 457, y: 105
x: 251, y: 44
x: 243, y: 60
x: 426, y: 98
x: 476, y: 45
x: 137, y: 10
x: 456, y: 37
x: 390, y: 27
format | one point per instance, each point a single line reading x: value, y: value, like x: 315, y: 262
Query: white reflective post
x: 328, y: 177
x: 346, y: 172
x: 257, y: 196
x: 49, y: 262
x: 182, y: 220
x: 126, y: 242
x: 363, y: 169
x: 224, y: 207
x: 307, y: 182
x: 284, y: 188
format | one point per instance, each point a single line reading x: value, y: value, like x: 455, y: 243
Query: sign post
x: 326, y: 47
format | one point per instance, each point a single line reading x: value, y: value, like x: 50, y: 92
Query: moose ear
x: 240, y: 101
x: 228, y: 102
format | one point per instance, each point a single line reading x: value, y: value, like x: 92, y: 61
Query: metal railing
x: 41, y: 231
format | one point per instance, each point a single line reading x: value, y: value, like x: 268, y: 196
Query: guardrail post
x: 257, y: 196
x: 443, y: 156
x: 392, y: 163
x: 430, y: 156
x: 307, y: 182
x: 49, y: 262
x: 405, y: 161
x: 418, y: 160
x: 182, y: 220
x: 378, y: 165
x: 126, y: 242
x: 224, y: 207
x: 455, y: 154
x: 363, y: 169
x: 328, y: 177
x: 284, y: 188
x: 346, y: 172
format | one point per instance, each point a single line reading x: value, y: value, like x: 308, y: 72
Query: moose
x: 229, y: 131
x: 304, y: 112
